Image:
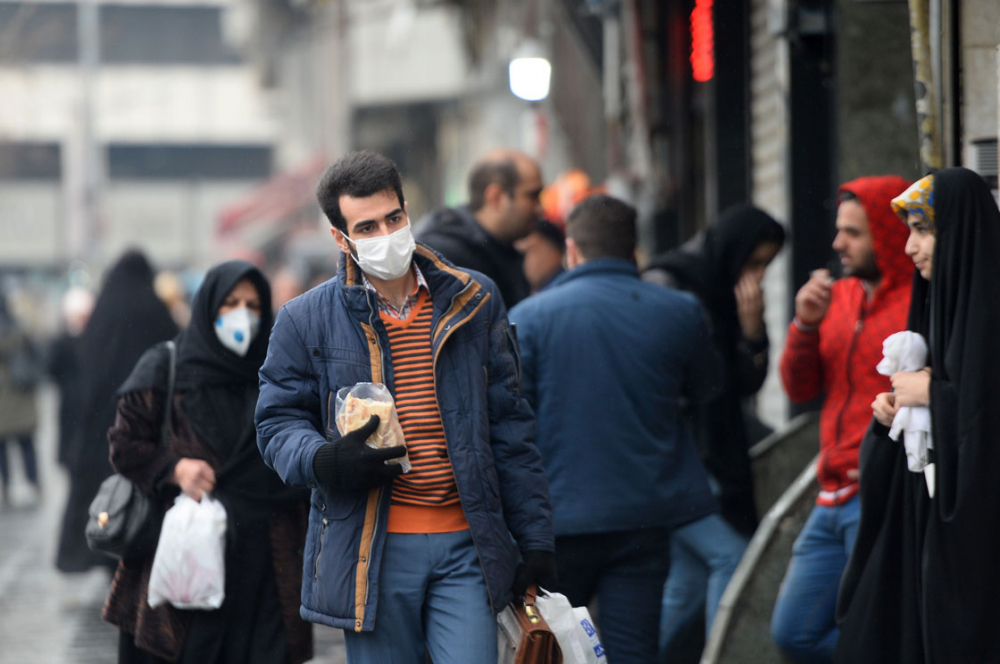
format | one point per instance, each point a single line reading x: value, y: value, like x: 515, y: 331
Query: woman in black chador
x: 212, y: 447
x: 127, y: 320
x: 922, y: 582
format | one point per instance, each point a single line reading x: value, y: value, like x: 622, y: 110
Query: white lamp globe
x: 530, y: 78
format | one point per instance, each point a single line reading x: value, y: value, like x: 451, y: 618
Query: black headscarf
x: 201, y: 357
x: 220, y: 387
x: 710, y: 264
x: 128, y: 319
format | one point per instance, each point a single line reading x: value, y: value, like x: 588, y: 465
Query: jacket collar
x: 444, y: 281
x: 598, y: 266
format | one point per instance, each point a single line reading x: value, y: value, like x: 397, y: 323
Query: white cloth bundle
x: 907, y: 351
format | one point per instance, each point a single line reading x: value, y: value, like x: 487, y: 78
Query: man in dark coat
x: 607, y: 359
x: 504, y: 205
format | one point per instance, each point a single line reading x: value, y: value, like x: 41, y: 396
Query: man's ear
x: 493, y: 194
x: 341, y: 240
x: 573, y: 257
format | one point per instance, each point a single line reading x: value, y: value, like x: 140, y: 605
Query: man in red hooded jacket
x: 832, y: 347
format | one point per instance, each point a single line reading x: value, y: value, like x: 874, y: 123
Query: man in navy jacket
x: 606, y: 360
x: 416, y: 563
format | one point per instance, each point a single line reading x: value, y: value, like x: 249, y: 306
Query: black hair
x: 551, y: 234
x: 358, y: 175
x: 603, y: 227
x: 845, y: 195
x: 501, y: 171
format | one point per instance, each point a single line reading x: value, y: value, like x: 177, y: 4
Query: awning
x: 276, y: 199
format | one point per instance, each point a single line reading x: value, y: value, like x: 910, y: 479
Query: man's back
x: 607, y: 359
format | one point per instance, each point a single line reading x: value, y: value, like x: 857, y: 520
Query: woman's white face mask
x: 387, y: 257
x: 237, y: 329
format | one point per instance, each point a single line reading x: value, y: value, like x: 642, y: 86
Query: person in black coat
x: 127, y: 320
x: 504, y: 204
x: 723, y: 267
x: 921, y: 584
x: 212, y: 448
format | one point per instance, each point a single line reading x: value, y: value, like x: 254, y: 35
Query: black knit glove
x: 350, y: 465
x: 538, y: 567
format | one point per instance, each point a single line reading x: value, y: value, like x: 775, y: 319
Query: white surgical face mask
x: 236, y: 329
x: 386, y: 257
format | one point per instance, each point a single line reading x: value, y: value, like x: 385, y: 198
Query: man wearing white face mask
x: 437, y: 552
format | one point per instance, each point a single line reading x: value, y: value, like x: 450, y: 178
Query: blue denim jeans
x: 625, y: 572
x: 433, y: 599
x: 803, y: 623
x: 703, y: 556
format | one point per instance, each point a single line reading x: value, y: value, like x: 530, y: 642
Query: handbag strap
x: 530, y: 595
x: 168, y: 406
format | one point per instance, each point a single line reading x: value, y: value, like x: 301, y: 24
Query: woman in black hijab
x: 723, y: 267
x: 127, y: 320
x: 212, y: 448
x: 922, y: 585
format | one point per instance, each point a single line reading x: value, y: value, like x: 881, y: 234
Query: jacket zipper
x: 847, y: 373
x: 378, y: 499
x: 448, y: 333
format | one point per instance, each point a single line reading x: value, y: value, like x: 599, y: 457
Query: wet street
x: 51, y: 618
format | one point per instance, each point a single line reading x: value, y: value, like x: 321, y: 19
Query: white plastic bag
x: 573, y: 628
x: 356, y: 405
x: 189, y: 565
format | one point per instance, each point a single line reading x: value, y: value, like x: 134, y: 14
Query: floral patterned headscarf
x: 918, y: 199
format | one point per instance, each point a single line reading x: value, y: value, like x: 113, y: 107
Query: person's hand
x: 885, y: 408
x: 194, y: 476
x: 539, y: 568
x: 750, y: 307
x: 912, y: 388
x: 813, y: 299
x: 350, y: 465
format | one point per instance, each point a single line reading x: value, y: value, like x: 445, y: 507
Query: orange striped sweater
x: 425, y: 500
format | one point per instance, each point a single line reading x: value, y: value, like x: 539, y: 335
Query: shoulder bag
x: 124, y: 522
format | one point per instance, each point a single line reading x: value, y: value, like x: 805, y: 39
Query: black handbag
x: 124, y: 522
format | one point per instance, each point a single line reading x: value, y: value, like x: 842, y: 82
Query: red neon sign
x: 702, y: 41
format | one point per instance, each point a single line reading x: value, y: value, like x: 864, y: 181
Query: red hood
x: 875, y: 192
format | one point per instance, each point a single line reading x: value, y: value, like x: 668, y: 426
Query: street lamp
x: 530, y: 73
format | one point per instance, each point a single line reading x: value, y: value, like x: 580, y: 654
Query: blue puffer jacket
x: 332, y: 337
x: 618, y: 454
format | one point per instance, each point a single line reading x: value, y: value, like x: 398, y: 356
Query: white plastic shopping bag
x: 573, y: 628
x: 189, y: 565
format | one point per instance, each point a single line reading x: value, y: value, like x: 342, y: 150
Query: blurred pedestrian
x: 128, y: 318
x: 544, y: 250
x: 170, y: 289
x: 63, y: 365
x: 606, y: 361
x: 287, y: 284
x: 504, y: 205
x: 422, y: 562
x: 723, y: 267
x: 212, y: 449
x: 832, y: 347
x: 20, y: 371
x: 921, y: 586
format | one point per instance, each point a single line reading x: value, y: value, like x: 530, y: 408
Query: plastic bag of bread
x: 356, y: 405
